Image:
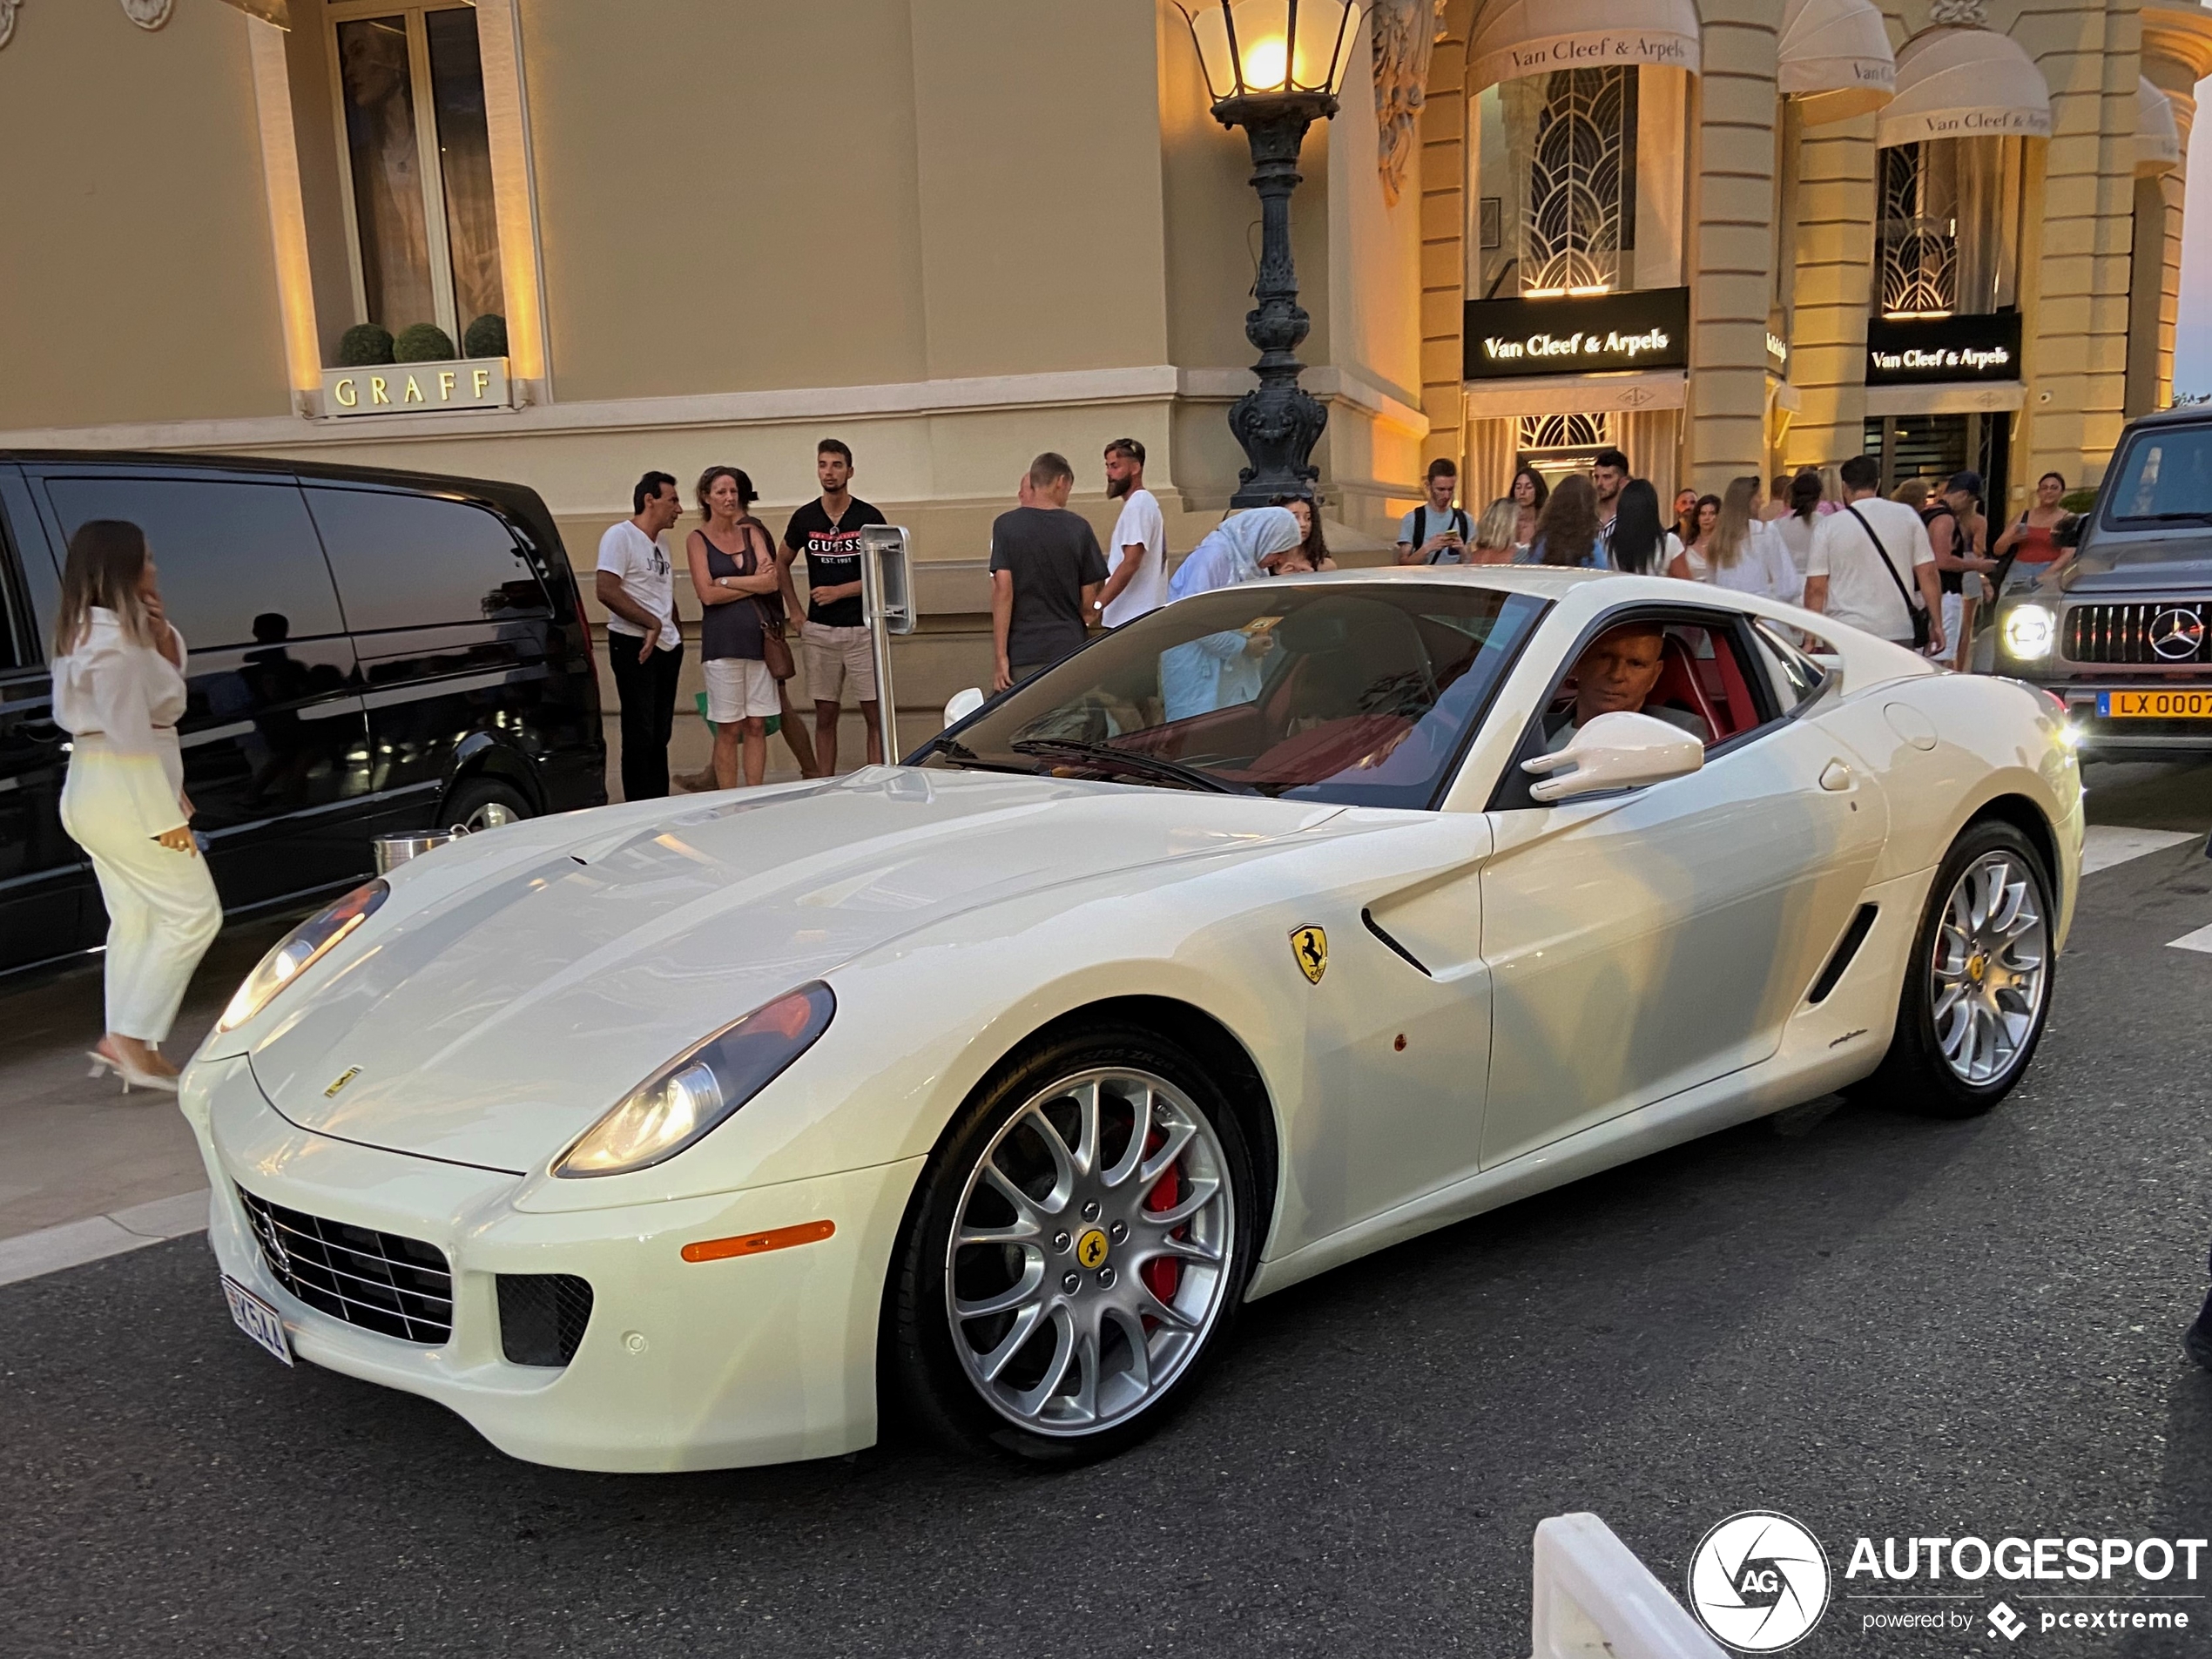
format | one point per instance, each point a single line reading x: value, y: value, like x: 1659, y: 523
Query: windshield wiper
x: 945, y: 743
x: 1136, y: 760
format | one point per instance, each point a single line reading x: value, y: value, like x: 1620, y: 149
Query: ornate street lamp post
x: 1274, y: 67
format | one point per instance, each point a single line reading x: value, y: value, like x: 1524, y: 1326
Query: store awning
x: 1835, y: 58
x: 1517, y: 38
x: 2158, y: 138
x: 1964, y: 83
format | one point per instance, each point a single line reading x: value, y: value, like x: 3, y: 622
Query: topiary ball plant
x: 2078, y: 500
x: 364, y: 345
x: 486, y: 337
x: 422, y: 342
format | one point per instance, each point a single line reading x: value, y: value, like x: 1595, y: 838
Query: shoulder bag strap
x: 1883, y: 554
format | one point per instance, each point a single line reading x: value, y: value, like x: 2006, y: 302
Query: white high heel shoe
x: 130, y: 1073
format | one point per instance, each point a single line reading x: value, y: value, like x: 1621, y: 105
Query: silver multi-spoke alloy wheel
x: 1989, y: 970
x: 493, y: 814
x: 1090, y: 1252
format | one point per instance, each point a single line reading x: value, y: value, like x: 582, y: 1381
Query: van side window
x: 407, y: 560
x: 227, y: 553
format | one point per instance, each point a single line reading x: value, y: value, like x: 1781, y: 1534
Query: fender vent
x: 1376, y: 928
x: 1847, y: 947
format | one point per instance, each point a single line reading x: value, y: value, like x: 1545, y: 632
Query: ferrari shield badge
x: 1309, y: 944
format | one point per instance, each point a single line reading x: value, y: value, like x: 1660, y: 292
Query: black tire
x: 1916, y: 1074
x: 481, y: 798
x: 922, y: 1376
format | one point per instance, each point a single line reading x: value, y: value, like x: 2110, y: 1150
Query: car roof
x: 2186, y: 415
x: 197, y: 460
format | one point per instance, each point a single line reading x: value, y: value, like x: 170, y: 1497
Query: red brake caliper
x: 1162, y: 1273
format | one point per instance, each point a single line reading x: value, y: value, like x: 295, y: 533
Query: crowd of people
x: 1914, y: 567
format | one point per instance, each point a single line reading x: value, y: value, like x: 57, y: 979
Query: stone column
x: 1834, y: 291
x: 1731, y: 242
x: 1443, y: 163
x: 2079, y: 215
x: 2176, y: 55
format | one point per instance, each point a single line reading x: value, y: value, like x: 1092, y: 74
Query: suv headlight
x: 299, y: 950
x: 701, y: 1087
x: 2029, y: 630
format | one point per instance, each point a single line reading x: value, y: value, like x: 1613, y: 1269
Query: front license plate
x: 257, y: 1318
x: 2154, y: 705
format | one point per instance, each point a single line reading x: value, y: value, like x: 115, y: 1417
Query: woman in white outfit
x: 1744, y: 554
x: 1224, y: 669
x: 118, y: 691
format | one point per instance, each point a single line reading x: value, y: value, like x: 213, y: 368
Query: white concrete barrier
x: 1595, y: 1599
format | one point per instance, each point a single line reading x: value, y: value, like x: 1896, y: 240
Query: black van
x: 370, y: 651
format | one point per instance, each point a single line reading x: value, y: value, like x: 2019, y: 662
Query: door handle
x: 1835, y: 776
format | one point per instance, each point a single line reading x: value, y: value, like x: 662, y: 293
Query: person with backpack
x: 1436, y: 526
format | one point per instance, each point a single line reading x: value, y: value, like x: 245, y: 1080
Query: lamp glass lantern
x: 1274, y: 67
x: 1262, y: 49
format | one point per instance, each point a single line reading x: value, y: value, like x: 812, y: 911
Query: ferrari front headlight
x: 299, y: 950
x: 2029, y: 630
x: 702, y: 1087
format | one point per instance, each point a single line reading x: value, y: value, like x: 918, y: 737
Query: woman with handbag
x: 734, y: 573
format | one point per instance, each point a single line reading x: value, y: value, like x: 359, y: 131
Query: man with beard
x: 1607, y: 473
x: 1136, y: 578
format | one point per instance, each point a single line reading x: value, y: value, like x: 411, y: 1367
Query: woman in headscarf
x: 1223, y: 669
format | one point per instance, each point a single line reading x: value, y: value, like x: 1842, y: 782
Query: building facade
x: 1728, y: 236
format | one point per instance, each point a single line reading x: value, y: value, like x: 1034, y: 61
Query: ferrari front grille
x: 381, y: 1282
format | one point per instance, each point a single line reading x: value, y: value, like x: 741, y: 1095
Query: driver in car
x: 1616, y: 674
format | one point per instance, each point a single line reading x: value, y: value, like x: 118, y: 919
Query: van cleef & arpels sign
x: 1577, y: 334
x: 1922, y: 351
x: 416, y: 388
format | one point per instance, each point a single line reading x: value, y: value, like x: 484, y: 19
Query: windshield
x: 2165, y: 476
x: 1361, y: 697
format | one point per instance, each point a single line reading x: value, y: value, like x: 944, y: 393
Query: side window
x: 18, y: 648
x: 235, y: 559
x: 1689, y: 671
x: 420, y: 562
x: 1797, y: 679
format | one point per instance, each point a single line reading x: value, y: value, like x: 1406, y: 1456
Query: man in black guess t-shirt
x: 836, y: 646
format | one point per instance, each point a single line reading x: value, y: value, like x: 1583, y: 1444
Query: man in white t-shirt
x: 1136, y: 559
x: 637, y: 585
x: 1846, y: 578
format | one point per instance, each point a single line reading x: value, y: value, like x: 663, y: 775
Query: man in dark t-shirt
x: 833, y: 640
x: 1046, y: 571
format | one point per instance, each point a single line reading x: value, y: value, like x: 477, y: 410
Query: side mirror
x: 1620, y: 751
x: 964, y: 704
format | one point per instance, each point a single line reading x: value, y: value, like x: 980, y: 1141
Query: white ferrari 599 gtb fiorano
x: 1288, y: 922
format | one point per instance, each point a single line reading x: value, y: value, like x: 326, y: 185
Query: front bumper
x: 751, y: 1359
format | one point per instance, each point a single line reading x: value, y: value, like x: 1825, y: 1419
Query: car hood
x: 521, y: 982
x: 2163, y: 562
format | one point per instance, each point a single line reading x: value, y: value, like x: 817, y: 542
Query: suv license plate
x: 257, y: 1318
x: 2154, y: 705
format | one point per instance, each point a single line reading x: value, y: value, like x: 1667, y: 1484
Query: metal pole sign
x: 887, y: 600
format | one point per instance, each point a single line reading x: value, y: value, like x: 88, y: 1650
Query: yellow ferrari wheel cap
x: 1090, y: 1248
x: 1310, y: 945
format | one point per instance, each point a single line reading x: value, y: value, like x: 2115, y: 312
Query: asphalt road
x: 1877, y: 1324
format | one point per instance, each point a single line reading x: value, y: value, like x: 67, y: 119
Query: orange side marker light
x: 715, y: 1249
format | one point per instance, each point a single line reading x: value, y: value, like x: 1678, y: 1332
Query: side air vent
x: 1847, y: 947
x: 1376, y: 928
x: 542, y: 1317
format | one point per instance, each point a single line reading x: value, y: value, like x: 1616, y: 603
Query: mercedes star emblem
x: 2177, y: 634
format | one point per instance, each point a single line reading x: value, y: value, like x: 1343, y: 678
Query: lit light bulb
x: 1266, y: 63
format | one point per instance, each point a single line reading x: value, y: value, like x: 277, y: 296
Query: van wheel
x: 1076, y: 1251
x: 1977, y: 988
x: 486, y: 803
